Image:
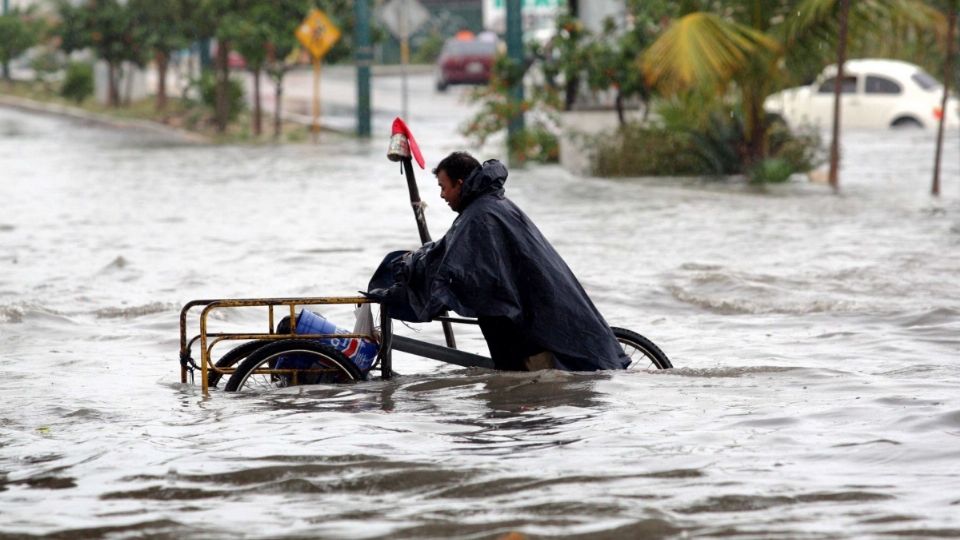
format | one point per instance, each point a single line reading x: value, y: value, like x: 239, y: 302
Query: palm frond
x: 702, y: 50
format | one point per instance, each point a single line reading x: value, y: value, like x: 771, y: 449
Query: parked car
x: 875, y: 93
x: 465, y: 61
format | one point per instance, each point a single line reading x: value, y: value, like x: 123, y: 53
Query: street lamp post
x: 6, y: 66
x: 364, y: 56
x: 515, y: 53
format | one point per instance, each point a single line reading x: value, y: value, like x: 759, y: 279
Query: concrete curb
x: 30, y: 105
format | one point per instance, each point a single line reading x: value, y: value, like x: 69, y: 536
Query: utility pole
x: 364, y: 57
x: 6, y: 66
x: 517, y: 61
x: 837, y: 89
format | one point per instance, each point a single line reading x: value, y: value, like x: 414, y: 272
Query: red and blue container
x: 361, y: 351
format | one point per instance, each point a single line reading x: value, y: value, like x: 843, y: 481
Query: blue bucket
x: 361, y: 351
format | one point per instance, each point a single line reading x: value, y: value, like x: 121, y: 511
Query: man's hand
x: 377, y: 295
x: 384, y: 295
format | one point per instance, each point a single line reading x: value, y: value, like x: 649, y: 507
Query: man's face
x: 449, y: 189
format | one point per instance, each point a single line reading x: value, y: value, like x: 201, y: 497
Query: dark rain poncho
x: 495, y: 263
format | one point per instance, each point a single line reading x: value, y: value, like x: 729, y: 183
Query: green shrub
x: 206, y: 87
x: 77, y: 82
x: 637, y: 150
x: 772, y: 170
x: 696, y: 136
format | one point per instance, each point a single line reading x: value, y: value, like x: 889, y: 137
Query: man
x: 495, y: 265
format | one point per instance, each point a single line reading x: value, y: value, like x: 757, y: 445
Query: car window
x: 925, y: 80
x: 881, y: 85
x: 475, y: 47
x: 848, y: 86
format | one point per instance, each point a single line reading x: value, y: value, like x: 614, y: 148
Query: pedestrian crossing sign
x: 317, y: 33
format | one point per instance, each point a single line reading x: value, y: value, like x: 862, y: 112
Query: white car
x: 875, y: 93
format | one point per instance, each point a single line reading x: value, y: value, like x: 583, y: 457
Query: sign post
x: 364, y: 55
x: 403, y: 18
x: 317, y: 34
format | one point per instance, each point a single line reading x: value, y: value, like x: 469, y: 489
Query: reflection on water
x: 815, y: 338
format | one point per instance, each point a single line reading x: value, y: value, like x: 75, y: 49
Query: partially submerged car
x: 875, y: 93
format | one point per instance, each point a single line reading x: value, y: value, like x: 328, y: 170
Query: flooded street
x: 816, y: 341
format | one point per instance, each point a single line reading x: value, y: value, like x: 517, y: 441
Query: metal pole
x: 515, y: 53
x: 6, y: 65
x: 315, y: 127
x: 404, y: 57
x: 364, y: 57
x: 837, y: 89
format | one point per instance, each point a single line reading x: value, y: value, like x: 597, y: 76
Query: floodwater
x: 815, y: 337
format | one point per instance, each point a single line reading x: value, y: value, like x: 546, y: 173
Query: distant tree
x: 248, y: 35
x: 165, y: 26
x: 207, y: 20
x: 281, y: 20
x: 106, y: 26
x: 20, y: 31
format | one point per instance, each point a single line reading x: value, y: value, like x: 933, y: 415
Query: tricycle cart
x: 257, y: 361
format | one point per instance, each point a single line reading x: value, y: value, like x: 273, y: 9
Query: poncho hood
x: 488, y: 179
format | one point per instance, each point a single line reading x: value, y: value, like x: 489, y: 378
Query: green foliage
x: 20, y: 32
x: 164, y: 26
x: 699, y: 134
x: 538, y: 141
x: 771, y: 171
x: 637, y: 150
x: 206, y: 87
x: 46, y: 66
x: 78, y: 82
x: 107, y: 26
x: 429, y: 49
x: 247, y: 35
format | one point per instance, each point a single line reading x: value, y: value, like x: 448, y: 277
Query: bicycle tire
x: 328, y: 366
x: 643, y: 353
x: 232, y: 357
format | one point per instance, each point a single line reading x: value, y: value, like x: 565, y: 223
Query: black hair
x: 458, y: 165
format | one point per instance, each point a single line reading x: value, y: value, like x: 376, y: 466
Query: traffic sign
x: 403, y: 17
x: 317, y: 33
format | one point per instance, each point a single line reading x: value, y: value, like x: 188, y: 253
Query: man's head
x: 451, y: 172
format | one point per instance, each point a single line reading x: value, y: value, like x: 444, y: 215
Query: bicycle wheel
x: 292, y: 362
x: 232, y: 357
x: 642, y: 352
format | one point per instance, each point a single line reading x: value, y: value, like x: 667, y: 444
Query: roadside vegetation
x: 687, y: 81
x: 138, y: 32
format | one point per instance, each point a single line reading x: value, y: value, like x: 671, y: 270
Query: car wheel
x: 441, y: 86
x: 906, y: 122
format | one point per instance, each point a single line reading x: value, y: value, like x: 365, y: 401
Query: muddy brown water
x: 816, y: 339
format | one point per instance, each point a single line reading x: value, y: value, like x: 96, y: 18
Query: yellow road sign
x: 317, y: 33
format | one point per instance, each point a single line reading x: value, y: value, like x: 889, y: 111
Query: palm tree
x: 759, y: 46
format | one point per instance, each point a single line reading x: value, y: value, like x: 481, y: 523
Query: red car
x: 465, y: 62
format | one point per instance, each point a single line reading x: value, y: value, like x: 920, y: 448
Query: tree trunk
x: 257, y: 122
x: 619, y: 103
x: 163, y: 61
x: 222, y: 103
x: 277, y: 104
x: 753, y: 116
x: 113, y: 93
x: 944, y: 113
x: 570, y: 92
x: 128, y: 80
x: 837, y: 86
